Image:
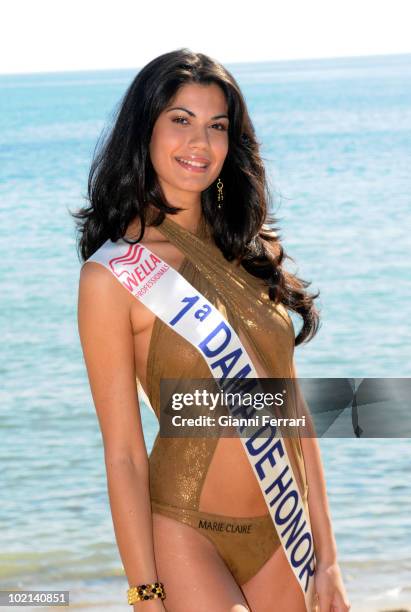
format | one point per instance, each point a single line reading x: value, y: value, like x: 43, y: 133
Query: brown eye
x: 221, y: 126
x: 179, y: 119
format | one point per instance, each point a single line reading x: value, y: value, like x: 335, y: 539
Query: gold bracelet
x: 144, y: 592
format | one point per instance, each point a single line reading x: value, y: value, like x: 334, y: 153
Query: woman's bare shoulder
x: 98, y: 287
x: 96, y: 276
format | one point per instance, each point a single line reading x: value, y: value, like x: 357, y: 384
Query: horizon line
x: 225, y: 63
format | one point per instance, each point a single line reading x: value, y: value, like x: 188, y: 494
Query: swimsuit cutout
x: 179, y: 466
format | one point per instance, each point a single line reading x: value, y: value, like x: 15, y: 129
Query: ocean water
x: 336, y: 139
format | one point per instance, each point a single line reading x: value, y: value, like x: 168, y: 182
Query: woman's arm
x: 329, y: 582
x: 107, y: 341
x: 325, y: 545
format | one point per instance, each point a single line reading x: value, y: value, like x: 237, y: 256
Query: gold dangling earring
x: 220, y: 192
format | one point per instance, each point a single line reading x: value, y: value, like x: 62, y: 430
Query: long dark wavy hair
x: 122, y: 182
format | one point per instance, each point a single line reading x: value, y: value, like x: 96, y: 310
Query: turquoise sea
x: 336, y: 138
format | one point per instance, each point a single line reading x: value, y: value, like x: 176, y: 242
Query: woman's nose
x: 199, y: 135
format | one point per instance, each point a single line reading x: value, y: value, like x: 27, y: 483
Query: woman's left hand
x: 330, y: 589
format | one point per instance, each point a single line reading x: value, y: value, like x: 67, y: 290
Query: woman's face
x: 196, y: 131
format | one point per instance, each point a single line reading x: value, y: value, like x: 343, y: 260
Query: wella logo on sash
x: 134, y: 267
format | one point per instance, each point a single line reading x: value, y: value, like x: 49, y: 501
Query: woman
x: 181, y: 174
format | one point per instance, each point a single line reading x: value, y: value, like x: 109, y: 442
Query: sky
x: 62, y: 35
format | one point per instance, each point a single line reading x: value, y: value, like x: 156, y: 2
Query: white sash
x: 183, y: 308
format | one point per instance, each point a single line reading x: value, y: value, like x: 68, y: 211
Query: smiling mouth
x: 192, y: 165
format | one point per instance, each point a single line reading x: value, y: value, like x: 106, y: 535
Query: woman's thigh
x: 194, y: 575
x: 274, y: 588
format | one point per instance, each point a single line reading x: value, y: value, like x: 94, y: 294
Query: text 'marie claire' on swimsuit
x: 179, y: 466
